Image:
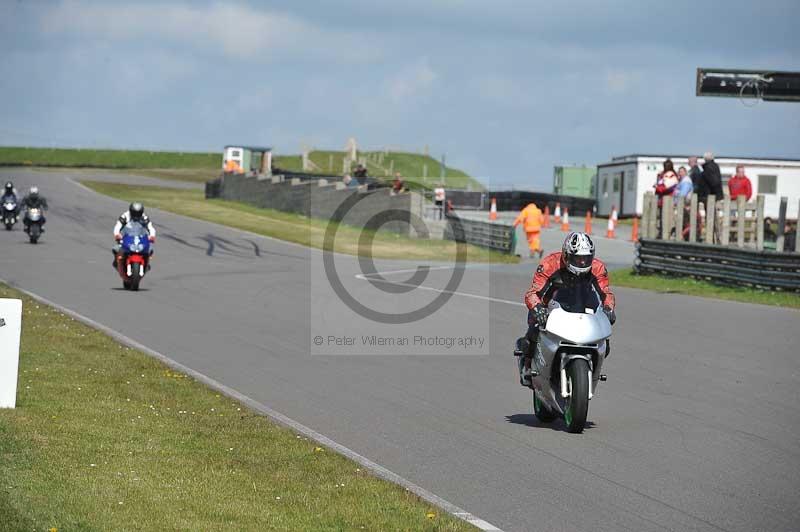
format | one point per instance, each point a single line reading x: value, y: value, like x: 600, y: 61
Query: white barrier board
x: 10, y: 329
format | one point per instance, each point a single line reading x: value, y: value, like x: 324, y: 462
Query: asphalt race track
x: 697, y: 428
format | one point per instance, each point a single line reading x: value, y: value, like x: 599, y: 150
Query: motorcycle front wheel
x: 577, y: 404
x: 134, y: 279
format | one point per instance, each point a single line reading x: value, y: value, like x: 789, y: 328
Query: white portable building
x: 622, y: 182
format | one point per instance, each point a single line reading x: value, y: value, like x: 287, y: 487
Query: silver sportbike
x: 569, y: 355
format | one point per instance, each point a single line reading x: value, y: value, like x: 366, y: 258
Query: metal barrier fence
x: 492, y: 235
x: 729, y: 265
x: 214, y: 188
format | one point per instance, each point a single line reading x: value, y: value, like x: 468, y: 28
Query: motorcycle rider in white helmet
x: 135, y: 213
x: 33, y: 200
x: 574, y: 263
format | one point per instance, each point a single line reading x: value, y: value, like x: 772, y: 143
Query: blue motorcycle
x: 133, y: 256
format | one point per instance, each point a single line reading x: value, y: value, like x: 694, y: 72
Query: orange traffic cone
x: 546, y: 222
x: 587, y: 224
x: 557, y: 214
x: 565, y: 220
x: 635, y: 231
x: 493, y: 210
x: 610, y: 230
x: 612, y: 223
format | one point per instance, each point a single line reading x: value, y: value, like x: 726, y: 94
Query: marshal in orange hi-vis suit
x: 531, y: 219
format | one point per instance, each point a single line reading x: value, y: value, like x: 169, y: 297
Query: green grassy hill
x: 176, y: 165
x: 90, y: 158
x: 417, y: 169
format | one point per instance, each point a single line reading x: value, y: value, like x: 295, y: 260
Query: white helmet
x: 578, y: 253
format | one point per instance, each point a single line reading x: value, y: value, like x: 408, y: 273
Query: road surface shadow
x: 121, y: 289
x: 530, y: 420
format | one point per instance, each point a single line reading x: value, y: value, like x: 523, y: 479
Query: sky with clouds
x: 507, y: 89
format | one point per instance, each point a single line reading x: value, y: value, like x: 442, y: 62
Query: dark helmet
x: 136, y: 210
x: 33, y: 192
x: 577, y: 253
x: 9, y: 187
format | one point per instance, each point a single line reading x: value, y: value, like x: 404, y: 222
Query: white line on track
x: 276, y: 416
x: 369, y: 277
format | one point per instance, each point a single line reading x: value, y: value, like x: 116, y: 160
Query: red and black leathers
x: 542, y: 283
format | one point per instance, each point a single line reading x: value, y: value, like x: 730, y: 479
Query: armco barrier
x: 214, y: 188
x: 729, y: 265
x: 492, y: 235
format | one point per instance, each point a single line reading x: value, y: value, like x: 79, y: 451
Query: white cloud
x: 412, y: 80
x: 236, y: 30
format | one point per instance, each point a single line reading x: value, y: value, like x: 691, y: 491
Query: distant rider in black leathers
x: 33, y: 201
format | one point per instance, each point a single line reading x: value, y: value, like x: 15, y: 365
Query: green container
x: 574, y: 181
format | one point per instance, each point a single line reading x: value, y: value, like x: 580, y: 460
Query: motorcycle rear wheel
x: 9, y: 226
x: 577, y: 404
x: 543, y: 414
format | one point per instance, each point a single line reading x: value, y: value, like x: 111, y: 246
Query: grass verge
x: 197, y: 175
x: 107, y: 438
x: 289, y: 226
x: 693, y: 287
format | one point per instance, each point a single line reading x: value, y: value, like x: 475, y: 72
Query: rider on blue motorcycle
x: 574, y: 263
x: 9, y: 193
x: 135, y: 213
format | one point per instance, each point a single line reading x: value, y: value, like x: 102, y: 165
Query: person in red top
x: 574, y: 263
x: 739, y: 185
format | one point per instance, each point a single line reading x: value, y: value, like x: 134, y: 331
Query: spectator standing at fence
x: 666, y: 182
x: 685, y: 186
x: 739, y: 185
x: 683, y: 193
x: 696, y: 174
x: 712, y: 178
x: 397, y: 184
x: 361, y: 174
x: 531, y: 219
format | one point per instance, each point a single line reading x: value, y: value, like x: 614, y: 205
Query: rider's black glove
x: 612, y: 317
x: 540, y: 312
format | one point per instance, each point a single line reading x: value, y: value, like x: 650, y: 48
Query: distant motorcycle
x: 569, y: 356
x: 34, y: 220
x: 9, y: 214
x: 133, y: 258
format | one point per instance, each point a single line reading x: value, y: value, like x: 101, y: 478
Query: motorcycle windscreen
x: 576, y: 315
x: 580, y: 298
x: 135, y: 238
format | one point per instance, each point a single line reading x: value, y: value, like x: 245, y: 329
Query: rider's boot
x: 526, y: 371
